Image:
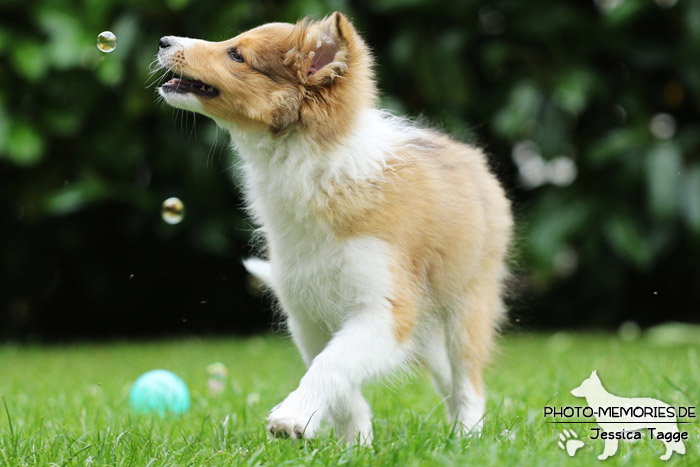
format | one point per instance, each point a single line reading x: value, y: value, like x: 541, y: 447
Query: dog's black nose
x: 164, y: 43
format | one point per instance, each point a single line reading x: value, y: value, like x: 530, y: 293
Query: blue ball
x: 161, y: 392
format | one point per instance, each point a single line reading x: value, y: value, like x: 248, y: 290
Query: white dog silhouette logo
x: 619, y: 415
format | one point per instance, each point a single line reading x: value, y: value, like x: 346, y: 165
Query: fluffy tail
x: 260, y: 269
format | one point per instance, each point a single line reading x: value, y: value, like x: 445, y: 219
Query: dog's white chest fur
x: 325, y: 281
x: 315, y: 274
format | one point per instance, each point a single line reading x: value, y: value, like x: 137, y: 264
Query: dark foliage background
x: 589, y: 108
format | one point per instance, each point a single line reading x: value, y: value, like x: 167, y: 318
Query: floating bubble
x: 217, y: 378
x: 217, y: 371
x: 173, y: 211
x: 215, y: 387
x: 663, y: 126
x: 107, y: 41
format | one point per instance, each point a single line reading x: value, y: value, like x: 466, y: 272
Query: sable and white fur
x: 386, y: 241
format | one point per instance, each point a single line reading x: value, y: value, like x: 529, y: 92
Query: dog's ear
x: 320, y: 49
x: 594, y: 375
x: 333, y: 70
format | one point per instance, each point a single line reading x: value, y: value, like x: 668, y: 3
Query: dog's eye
x: 235, y: 55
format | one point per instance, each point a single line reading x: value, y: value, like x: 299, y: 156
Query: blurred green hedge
x: 588, y: 108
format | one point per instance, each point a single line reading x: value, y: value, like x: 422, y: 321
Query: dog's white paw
x: 470, y: 422
x: 359, y: 438
x: 293, y: 419
x: 469, y: 429
x: 285, y: 428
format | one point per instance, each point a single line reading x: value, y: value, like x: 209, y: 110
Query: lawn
x: 67, y: 405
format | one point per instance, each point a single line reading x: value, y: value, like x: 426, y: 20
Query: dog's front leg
x: 365, y: 347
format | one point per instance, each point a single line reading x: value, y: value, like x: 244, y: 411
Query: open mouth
x: 193, y: 86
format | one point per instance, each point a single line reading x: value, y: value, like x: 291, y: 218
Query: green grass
x: 67, y: 405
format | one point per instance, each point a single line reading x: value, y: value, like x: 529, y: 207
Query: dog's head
x: 589, y: 386
x: 316, y: 74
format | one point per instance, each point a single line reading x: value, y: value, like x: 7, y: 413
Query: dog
x: 386, y: 242
x: 597, y: 398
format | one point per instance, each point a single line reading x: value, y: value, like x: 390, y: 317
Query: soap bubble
x: 217, y: 371
x: 107, y: 41
x: 663, y: 126
x: 215, y: 386
x: 173, y: 211
x: 217, y: 378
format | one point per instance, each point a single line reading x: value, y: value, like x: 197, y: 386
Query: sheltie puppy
x: 386, y: 242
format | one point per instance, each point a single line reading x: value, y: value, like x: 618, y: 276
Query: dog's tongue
x: 173, y: 83
x: 184, y: 82
x: 191, y: 85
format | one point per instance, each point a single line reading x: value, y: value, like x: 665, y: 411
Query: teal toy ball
x: 160, y: 392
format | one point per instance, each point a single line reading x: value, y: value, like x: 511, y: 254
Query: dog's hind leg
x: 472, y: 307
x: 437, y: 361
x: 466, y: 403
x: 470, y: 332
